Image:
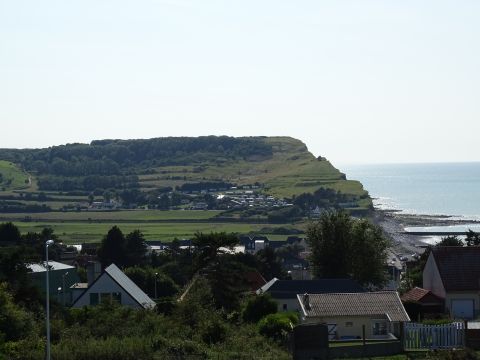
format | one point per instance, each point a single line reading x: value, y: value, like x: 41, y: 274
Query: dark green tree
x: 112, y: 248
x: 269, y: 264
x: 450, y: 240
x: 135, y: 249
x: 258, y: 307
x: 9, y: 234
x: 330, y: 240
x: 368, y: 253
x: 473, y: 238
x: 209, y: 246
x: 343, y: 247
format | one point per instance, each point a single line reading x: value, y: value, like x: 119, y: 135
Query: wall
x: 463, y: 296
x: 292, y: 304
x: 105, y: 284
x: 431, y: 278
x: 354, y: 330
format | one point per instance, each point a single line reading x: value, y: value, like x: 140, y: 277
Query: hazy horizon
x: 360, y: 82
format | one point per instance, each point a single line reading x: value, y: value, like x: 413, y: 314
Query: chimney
x: 306, y: 301
x: 93, y: 271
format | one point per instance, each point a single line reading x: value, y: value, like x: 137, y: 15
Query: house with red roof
x: 453, y: 273
x: 418, y: 302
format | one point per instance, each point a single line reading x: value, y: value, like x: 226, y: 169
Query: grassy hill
x: 12, y: 177
x: 58, y: 184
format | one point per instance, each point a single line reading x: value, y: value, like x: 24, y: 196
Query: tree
x: 368, y: 253
x: 209, y: 246
x: 9, y: 234
x: 112, y: 249
x: 450, y: 240
x: 473, y: 238
x: 343, y: 247
x: 258, y: 307
x: 269, y: 264
x: 135, y: 248
x: 330, y: 242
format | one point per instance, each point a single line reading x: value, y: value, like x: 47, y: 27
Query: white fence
x: 447, y: 336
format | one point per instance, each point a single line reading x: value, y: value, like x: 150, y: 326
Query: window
x: 93, y: 298
x: 117, y: 297
x: 284, y: 307
x: 379, y: 327
x: 105, y: 297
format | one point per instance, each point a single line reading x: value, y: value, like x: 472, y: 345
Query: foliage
x: 450, y: 240
x: 120, y: 250
x: 258, y: 307
x: 15, y: 322
x: 9, y: 234
x: 146, y: 277
x: 472, y: 238
x: 112, y: 249
x: 269, y: 264
x: 278, y: 326
x: 343, y: 247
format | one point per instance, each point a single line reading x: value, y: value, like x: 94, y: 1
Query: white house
x: 114, y: 285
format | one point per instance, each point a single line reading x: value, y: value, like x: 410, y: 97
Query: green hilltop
x: 61, y: 186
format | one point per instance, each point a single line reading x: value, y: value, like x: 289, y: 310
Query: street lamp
x: 156, y: 274
x: 47, y: 244
x: 63, y: 284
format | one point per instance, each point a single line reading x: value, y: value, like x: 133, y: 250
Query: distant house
x: 453, y: 273
x: 284, y: 292
x: 345, y: 314
x: 113, y: 285
x: 61, y: 277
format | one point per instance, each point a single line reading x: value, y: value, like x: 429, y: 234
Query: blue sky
x: 358, y: 81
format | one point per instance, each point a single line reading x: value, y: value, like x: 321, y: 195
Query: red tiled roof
x: 414, y: 295
x: 459, y: 267
x: 421, y: 296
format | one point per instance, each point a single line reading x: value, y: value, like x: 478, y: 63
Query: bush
x: 258, y: 307
x: 277, y: 326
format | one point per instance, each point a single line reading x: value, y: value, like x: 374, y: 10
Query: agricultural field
x: 85, y: 232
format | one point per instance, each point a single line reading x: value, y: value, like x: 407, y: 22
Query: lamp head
x: 49, y: 242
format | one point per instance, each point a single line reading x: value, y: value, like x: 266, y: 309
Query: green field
x: 12, y: 177
x: 121, y: 216
x: 79, y: 232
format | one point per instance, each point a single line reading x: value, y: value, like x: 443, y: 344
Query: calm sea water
x: 435, y: 189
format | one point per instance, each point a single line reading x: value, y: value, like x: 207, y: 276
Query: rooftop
x: 355, y: 304
x: 53, y: 265
x: 459, y: 267
x: 290, y: 288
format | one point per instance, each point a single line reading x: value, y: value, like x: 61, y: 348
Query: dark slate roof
x: 285, y: 289
x: 459, y: 267
x: 385, y: 303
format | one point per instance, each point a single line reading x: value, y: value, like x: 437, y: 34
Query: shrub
x: 277, y: 326
x: 258, y: 307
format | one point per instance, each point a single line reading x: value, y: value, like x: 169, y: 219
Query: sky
x: 358, y: 81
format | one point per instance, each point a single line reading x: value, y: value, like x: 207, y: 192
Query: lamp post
x: 156, y: 274
x: 63, y: 284
x: 47, y: 244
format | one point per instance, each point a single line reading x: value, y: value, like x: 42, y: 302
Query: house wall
x: 464, y: 295
x: 292, y: 304
x: 431, y: 278
x: 105, y: 284
x: 55, y: 279
x: 355, y: 330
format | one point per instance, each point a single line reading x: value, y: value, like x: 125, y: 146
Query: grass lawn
x: 78, y: 232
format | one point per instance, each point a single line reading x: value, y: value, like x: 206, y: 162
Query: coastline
x: 394, y: 222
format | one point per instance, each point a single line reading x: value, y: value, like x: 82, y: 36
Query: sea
x: 449, y: 189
